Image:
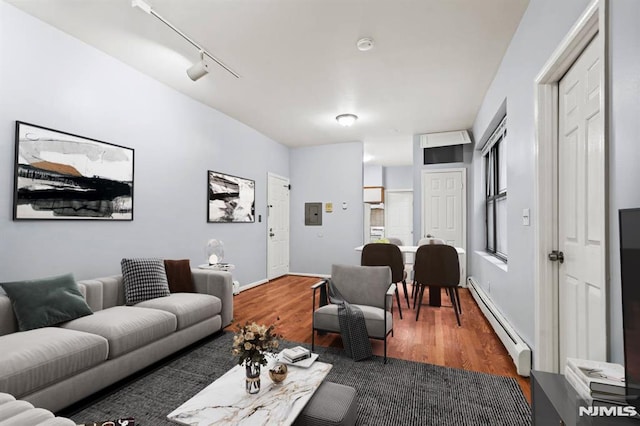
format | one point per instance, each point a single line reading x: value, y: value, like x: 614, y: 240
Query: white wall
x: 542, y: 28
x: 419, y: 167
x: 624, y: 144
x: 326, y: 173
x: 398, y: 177
x: 373, y: 175
x: 53, y: 80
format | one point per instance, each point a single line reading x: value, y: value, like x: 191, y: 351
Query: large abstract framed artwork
x: 63, y: 176
x: 230, y: 199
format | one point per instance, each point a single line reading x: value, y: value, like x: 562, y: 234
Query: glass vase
x: 252, y: 384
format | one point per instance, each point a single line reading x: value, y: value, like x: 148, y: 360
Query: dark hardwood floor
x: 435, y: 338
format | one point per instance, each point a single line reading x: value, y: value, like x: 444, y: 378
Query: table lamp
x: 215, y: 251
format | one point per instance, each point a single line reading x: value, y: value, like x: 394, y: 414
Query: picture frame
x: 62, y: 176
x: 230, y: 199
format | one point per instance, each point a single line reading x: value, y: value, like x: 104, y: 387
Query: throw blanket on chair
x: 352, y: 326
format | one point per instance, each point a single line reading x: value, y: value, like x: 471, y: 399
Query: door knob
x: 271, y: 234
x: 556, y: 256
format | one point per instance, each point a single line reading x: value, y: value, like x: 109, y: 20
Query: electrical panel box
x: 313, y: 214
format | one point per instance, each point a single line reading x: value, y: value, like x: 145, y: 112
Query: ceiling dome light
x: 346, y: 120
x: 365, y: 44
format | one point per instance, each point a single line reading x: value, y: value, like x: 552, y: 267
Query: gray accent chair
x: 367, y: 287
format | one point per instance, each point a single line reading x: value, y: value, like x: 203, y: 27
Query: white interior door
x: 442, y: 206
x: 277, y: 226
x: 398, y: 218
x: 581, y: 215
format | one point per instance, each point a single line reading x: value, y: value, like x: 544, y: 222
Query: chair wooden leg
x: 398, y: 300
x: 421, y: 291
x: 417, y: 292
x: 454, y: 296
x: 458, y: 299
x: 455, y: 308
x: 406, y: 293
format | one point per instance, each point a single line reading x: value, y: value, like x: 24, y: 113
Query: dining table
x: 435, y: 298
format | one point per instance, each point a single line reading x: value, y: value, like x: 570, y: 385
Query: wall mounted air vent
x: 434, y: 140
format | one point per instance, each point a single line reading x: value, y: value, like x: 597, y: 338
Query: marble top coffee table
x: 225, y: 401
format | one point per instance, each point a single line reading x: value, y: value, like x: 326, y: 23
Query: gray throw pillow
x: 45, y: 302
x: 144, y: 279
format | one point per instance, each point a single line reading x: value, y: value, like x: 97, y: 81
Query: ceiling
x: 431, y: 65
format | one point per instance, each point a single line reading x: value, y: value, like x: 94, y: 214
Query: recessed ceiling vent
x: 434, y: 140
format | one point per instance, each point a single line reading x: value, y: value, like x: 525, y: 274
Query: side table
x: 225, y: 267
x: 555, y: 402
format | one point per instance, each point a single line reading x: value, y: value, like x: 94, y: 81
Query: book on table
x: 589, y: 396
x: 599, y: 376
x: 296, y: 354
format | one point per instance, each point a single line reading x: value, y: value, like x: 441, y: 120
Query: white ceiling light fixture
x: 200, y: 68
x: 364, y: 44
x: 346, y: 120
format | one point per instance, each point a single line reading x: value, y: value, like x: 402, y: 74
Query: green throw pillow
x: 45, y: 302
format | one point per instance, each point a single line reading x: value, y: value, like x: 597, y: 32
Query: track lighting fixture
x: 200, y: 68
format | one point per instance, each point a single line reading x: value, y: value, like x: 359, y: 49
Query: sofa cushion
x: 326, y: 318
x: 33, y: 359
x: 33, y: 416
x: 144, y: 279
x: 47, y: 301
x: 189, y: 308
x: 179, y: 276
x: 126, y: 327
x: 13, y: 408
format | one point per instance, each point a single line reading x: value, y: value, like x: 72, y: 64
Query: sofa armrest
x: 219, y: 284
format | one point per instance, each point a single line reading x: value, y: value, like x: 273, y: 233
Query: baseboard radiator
x: 517, y: 348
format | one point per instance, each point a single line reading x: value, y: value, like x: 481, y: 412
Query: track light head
x: 142, y: 5
x: 199, y: 69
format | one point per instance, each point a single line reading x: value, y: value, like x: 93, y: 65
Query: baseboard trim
x: 261, y: 282
x: 252, y: 285
x: 304, y: 274
x: 513, y: 343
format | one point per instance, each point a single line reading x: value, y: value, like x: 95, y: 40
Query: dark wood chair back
x: 438, y: 265
x: 381, y: 254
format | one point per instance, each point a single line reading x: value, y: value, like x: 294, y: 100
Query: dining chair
x: 430, y: 240
x: 437, y: 266
x: 395, y: 241
x: 383, y: 254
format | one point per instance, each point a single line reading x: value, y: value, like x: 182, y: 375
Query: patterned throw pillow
x: 144, y: 279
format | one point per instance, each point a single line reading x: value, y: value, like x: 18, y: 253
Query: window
x: 495, y: 160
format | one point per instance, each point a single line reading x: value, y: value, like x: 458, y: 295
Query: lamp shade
x: 214, y: 251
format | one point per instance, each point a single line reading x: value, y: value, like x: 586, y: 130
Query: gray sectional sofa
x: 54, y: 367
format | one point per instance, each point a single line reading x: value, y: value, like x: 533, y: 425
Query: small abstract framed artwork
x: 62, y: 176
x: 230, y: 198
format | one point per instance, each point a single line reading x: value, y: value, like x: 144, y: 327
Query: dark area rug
x: 397, y: 393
